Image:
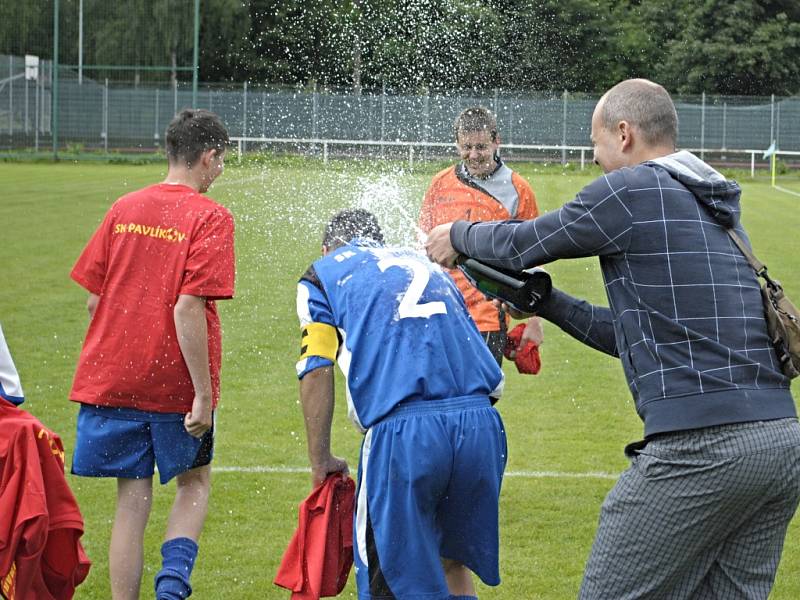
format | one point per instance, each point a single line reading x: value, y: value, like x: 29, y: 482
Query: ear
x: 625, y: 135
x: 207, y: 157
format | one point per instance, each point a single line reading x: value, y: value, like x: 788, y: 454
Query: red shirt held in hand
x: 320, y: 554
x: 526, y: 358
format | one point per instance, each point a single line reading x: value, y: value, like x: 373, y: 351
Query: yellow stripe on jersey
x: 319, y: 339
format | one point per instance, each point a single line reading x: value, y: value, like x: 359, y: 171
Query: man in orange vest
x: 481, y: 188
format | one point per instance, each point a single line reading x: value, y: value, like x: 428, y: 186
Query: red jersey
x: 449, y: 198
x: 152, y: 246
x: 41, y: 557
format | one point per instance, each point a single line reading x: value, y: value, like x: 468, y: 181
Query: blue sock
x: 172, y: 581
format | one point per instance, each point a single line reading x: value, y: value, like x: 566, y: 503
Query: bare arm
x: 317, y: 398
x: 190, y: 324
x: 439, y: 248
x: 533, y: 332
x: 91, y: 304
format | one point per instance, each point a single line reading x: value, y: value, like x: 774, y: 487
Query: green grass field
x: 566, y: 427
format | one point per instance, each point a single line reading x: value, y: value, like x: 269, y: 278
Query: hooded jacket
x: 685, y: 314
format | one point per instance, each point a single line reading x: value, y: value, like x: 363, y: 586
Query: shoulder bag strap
x: 759, y: 267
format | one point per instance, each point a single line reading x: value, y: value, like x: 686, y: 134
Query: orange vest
x: 450, y: 199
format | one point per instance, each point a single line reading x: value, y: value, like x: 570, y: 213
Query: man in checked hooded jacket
x: 703, y: 509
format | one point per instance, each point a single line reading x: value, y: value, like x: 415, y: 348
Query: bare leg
x: 186, y: 519
x: 190, y: 506
x: 459, y: 578
x: 126, y: 551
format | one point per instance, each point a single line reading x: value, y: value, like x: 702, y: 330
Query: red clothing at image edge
x: 41, y: 557
x: 152, y: 246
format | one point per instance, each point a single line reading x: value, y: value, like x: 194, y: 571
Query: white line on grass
x: 522, y: 474
x: 782, y: 189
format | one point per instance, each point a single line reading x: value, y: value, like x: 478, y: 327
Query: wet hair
x: 349, y: 224
x: 475, y: 118
x: 192, y: 132
x: 645, y: 105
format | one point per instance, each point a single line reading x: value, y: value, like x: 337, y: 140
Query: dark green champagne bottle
x: 521, y: 290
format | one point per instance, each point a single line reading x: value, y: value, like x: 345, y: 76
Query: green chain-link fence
x: 105, y: 97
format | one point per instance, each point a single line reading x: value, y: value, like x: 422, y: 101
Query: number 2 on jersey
x: 409, y: 304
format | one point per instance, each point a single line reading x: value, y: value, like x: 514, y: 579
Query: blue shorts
x: 129, y: 443
x: 429, y: 485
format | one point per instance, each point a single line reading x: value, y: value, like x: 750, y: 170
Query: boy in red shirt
x: 148, y: 375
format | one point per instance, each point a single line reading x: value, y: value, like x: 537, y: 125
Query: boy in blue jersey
x: 418, y: 379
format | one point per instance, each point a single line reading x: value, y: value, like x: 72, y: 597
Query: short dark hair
x: 475, y: 118
x: 644, y: 104
x: 349, y: 224
x: 192, y: 132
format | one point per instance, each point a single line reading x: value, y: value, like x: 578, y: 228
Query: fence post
x: 410, y: 158
x: 772, y: 118
x: 27, y: 101
x: 244, y: 114
x: 54, y: 83
x: 10, y: 96
x: 314, y: 109
x: 564, y: 131
x: 46, y: 101
x: 80, y: 42
x: 36, y: 123
x: 778, y: 125
x: 175, y: 96
x: 264, y: 113
x: 511, y: 122
x: 383, y: 114
x: 752, y: 164
x: 724, y: 123
x: 105, y: 116
x: 426, y: 124
x: 195, y: 52
x: 703, y: 126
x: 155, y: 131
x: 49, y: 125
x: 324, y: 153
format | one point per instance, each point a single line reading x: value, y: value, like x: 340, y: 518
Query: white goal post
x: 242, y: 141
x: 585, y: 152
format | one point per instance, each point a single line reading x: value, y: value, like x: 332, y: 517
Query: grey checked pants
x: 700, y: 514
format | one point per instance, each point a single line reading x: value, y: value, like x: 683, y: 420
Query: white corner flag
x: 769, y: 151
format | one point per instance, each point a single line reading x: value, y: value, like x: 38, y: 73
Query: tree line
x: 732, y: 47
